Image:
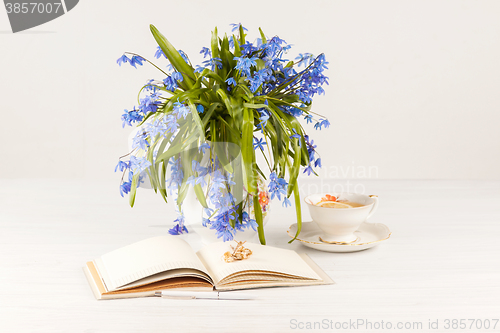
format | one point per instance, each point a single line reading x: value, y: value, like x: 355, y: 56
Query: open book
x: 165, y: 262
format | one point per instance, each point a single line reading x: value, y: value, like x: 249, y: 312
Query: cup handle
x: 375, y: 205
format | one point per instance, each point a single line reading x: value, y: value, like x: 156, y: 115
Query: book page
x: 170, y: 274
x: 145, y: 258
x: 283, y: 263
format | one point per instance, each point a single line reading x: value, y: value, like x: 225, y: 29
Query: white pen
x: 203, y: 295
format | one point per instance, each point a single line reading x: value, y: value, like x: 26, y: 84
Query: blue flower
x: 191, y: 181
x: 199, y: 69
x: 138, y: 164
x: 205, y: 221
x: 317, y: 163
x: 286, y: 202
x: 263, y: 119
x: 222, y: 224
x: 258, y: 78
x: 125, y: 188
x: 149, y: 103
x: 200, y: 108
x: 236, y: 26
x: 206, y: 52
x: 201, y: 180
x: 140, y: 141
x: 258, y: 143
x: 181, y: 110
x: 184, y: 56
x: 274, y: 48
x: 171, y: 123
x: 178, y: 230
x: 150, y: 86
x: 136, y: 60
x: 176, y: 176
x: 203, y: 147
x: 247, y: 48
x: 296, y: 112
x: 121, y: 166
x: 122, y: 59
x: 296, y: 136
x: 177, y: 76
x: 304, y: 59
x: 308, y: 170
x: 244, y: 64
x: 277, y: 186
x: 130, y: 117
x: 158, y: 127
x: 308, y: 118
x: 322, y: 122
x: 170, y: 83
x: 231, y: 81
x: 212, y: 62
x: 159, y: 53
x: 251, y: 223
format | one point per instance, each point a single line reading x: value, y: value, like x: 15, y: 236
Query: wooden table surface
x: 441, y: 265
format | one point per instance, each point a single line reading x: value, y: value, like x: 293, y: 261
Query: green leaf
x: 262, y: 36
x: 174, y: 57
x: 215, y: 76
x: 208, y: 115
x: 242, y: 36
x: 182, y: 96
x: 133, y: 190
x: 289, y: 81
x: 228, y: 127
x: 247, y: 151
x: 261, y: 64
x: 298, y: 211
x: 237, y: 116
x: 222, y: 155
x: 163, y: 190
x: 225, y: 57
x: 175, y: 149
x: 270, y: 132
x: 152, y: 171
x: 200, y: 195
x: 163, y: 144
x: 237, y: 50
x: 226, y: 100
x: 295, y: 168
x: 246, y: 90
x: 239, y: 212
x: 181, y: 194
x: 197, y: 120
x: 258, y: 219
x: 215, y: 44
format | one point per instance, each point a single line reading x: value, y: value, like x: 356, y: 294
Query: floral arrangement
x: 202, y: 127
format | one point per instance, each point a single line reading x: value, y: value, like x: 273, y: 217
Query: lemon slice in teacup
x: 333, y: 204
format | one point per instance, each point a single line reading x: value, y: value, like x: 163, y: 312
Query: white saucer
x: 369, y: 235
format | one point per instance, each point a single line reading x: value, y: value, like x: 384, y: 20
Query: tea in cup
x: 339, y: 215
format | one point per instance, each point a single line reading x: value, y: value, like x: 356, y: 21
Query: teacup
x: 339, y: 224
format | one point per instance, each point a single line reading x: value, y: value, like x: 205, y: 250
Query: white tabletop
x: 441, y: 263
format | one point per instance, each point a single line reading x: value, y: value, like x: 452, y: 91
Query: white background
x: 413, y: 84
x: 413, y: 94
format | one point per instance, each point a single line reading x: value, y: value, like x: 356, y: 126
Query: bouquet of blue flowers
x: 201, y: 127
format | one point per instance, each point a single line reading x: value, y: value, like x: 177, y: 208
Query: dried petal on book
x: 239, y: 253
